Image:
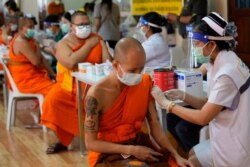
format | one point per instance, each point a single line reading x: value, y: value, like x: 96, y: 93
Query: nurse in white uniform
x: 227, y: 108
x: 156, y: 48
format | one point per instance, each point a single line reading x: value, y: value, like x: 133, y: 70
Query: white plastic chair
x: 15, y: 94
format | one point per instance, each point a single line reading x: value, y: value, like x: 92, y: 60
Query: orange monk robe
x: 1, y: 38
x: 124, y: 119
x: 28, y: 77
x: 60, y: 106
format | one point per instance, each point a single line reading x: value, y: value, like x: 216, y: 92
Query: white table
x: 88, y: 80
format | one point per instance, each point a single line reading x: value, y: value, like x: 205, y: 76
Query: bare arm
x: 68, y: 58
x: 105, y: 52
x: 159, y: 136
x: 195, y: 102
x: 200, y: 117
x: 173, y: 18
x: 97, y: 24
x: 32, y: 55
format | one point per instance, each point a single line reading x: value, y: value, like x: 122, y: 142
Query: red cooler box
x: 164, y: 78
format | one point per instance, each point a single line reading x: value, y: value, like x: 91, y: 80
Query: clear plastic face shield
x: 144, y: 22
x: 199, y: 41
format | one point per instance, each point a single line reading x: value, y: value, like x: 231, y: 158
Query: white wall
x: 30, y: 6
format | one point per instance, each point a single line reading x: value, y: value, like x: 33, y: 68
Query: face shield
x: 144, y: 22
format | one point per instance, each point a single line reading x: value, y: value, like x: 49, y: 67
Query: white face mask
x: 13, y: 27
x: 129, y: 79
x: 83, y: 31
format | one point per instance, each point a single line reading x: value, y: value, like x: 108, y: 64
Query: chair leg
x: 9, y: 114
x: 13, y: 109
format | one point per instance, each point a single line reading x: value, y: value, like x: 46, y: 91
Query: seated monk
x: 27, y: 66
x: 29, y: 69
x: 113, y: 124
x: 60, y: 106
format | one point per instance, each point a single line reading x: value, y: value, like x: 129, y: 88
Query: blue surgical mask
x: 65, y: 28
x: 49, y: 33
x: 30, y: 33
x: 129, y: 79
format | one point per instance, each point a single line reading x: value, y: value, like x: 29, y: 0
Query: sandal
x: 55, y: 148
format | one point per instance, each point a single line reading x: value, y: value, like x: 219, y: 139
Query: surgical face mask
x: 83, y: 31
x: 30, y: 33
x: 129, y: 79
x: 13, y: 27
x: 198, y: 51
x: 49, y: 32
x: 65, y: 27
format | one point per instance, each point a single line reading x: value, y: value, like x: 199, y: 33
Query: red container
x: 164, y: 78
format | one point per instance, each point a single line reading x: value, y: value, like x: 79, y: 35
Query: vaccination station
x: 124, y: 83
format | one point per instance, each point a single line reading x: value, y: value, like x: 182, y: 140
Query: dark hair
x: 52, y: 19
x: 67, y: 15
x: 78, y: 13
x: 108, y: 2
x: 12, y: 5
x: 157, y: 19
x: 204, y: 28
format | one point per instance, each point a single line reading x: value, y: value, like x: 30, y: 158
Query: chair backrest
x: 9, y: 77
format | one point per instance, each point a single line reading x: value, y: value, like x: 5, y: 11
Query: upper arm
x: 63, y: 52
x: 105, y: 52
x: 32, y: 55
x: 92, y: 109
x: 152, y: 118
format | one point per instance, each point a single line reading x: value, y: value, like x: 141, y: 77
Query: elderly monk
x: 28, y: 67
x: 113, y: 124
x: 60, y: 106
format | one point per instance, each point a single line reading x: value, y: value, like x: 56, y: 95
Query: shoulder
x: 97, y: 35
x: 65, y: 42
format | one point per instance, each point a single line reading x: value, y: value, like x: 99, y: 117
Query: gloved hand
x: 175, y: 94
x: 160, y: 97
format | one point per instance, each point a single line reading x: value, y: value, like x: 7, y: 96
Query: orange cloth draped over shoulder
x: 124, y: 119
x: 60, y: 106
x: 1, y: 38
x: 28, y: 77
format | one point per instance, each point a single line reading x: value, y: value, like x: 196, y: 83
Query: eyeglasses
x: 82, y: 24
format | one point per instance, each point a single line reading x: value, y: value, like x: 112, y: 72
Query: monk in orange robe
x: 60, y: 106
x: 113, y: 124
x: 28, y: 67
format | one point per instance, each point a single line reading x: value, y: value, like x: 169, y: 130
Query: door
x: 239, y: 12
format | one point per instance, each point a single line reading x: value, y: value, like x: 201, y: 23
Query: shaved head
x: 128, y: 48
